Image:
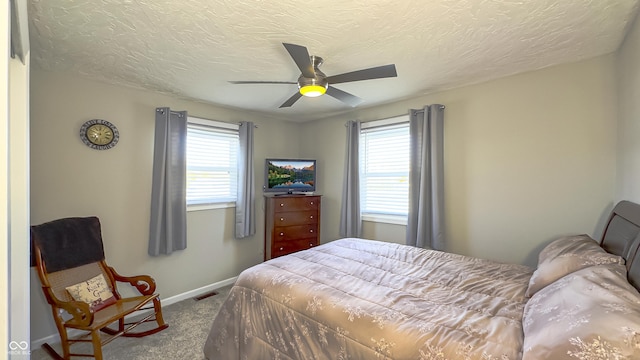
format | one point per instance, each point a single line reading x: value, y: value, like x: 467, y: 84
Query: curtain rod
x: 179, y: 113
x: 204, y: 121
x: 441, y: 107
x: 395, y: 116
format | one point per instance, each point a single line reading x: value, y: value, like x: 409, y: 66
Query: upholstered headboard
x: 622, y: 237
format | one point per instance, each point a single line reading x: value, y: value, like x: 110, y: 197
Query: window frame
x: 212, y: 124
x: 381, y: 217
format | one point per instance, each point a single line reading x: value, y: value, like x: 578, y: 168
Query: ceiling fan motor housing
x: 314, y: 86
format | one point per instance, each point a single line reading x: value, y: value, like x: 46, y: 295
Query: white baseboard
x: 55, y: 338
x: 199, y: 291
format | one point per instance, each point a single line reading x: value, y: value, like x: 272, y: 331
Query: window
x: 384, y: 170
x: 212, y: 149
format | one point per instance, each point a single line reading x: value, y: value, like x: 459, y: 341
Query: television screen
x: 290, y: 175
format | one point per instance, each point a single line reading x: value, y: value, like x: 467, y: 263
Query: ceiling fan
x: 313, y: 82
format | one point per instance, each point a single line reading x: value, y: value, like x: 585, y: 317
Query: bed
x: 364, y: 299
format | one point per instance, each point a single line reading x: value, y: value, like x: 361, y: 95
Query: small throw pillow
x: 566, y: 255
x: 94, y: 292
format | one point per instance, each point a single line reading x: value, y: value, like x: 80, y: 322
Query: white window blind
x: 384, y: 169
x: 211, y: 163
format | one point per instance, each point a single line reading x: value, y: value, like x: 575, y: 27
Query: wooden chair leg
x: 158, y: 309
x: 97, y: 345
x: 64, y: 342
x: 64, y: 338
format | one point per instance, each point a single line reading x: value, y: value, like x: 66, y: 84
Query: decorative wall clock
x: 99, y: 134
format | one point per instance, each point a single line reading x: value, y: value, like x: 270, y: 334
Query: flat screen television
x: 290, y: 176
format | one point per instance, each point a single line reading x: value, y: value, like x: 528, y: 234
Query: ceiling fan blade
x: 291, y: 100
x: 379, y: 72
x: 345, y: 97
x: 263, y: 82
x: 301, y: 56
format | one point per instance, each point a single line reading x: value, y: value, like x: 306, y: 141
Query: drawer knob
x: 312, y: 203
x: 281, y: 204
x: 281, y: 219
x: 310, y: 244
x: 311, y: 217
x: 281, y: 248
x: 311, y: 230
x: 281, y: 234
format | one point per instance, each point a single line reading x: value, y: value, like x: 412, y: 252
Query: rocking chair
x: 81, y: 287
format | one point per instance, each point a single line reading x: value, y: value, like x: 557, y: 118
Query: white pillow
x: 566, y: 255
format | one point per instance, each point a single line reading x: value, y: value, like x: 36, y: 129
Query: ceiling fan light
x: 312, y: 90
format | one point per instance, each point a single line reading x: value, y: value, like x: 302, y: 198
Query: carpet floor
x: 189, y: 324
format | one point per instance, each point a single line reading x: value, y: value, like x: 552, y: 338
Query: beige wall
x: 628, y: 78
x: 70, y: 179
x: 527, y: 157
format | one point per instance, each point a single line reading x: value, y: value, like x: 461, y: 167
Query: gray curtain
x: 245, y: 203
x: 168, y: 225
x: 425, y: 223
x: 350, y: 219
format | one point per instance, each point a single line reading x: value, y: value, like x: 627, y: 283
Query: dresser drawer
x: 287, y: 247
x: 296, y: 218
x: 287, y: 233
x: 292, y: 223
x: 284, y: 204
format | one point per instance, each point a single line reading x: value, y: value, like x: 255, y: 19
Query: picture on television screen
x: 286, y: 175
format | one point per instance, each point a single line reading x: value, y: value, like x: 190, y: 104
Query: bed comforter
x: 363, y: 299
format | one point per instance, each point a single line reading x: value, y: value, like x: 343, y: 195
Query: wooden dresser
x: 292, y: 224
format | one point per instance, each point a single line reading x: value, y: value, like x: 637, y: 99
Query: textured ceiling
x: 192, y: 48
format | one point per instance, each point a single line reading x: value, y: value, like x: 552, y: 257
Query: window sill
x: 387, y: 219
x: 201, y: 207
